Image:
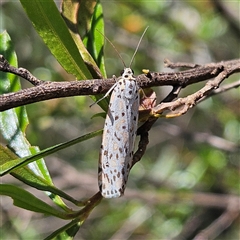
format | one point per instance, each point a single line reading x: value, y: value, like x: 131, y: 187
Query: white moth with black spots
x: 119, y: 134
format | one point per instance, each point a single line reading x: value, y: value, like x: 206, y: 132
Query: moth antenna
x: 138, y: 46
x: 113, y: 48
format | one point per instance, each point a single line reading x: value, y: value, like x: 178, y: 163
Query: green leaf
x: 20, y: 162
x: 67, y: 232
x: 13, y: 125
x: 9, y: 82
x: 13, y: 122
x: 89, y: 17
x: 77, y: 15
x: 26, y: 175
x: 94, y: 40
x: 100, y: 114
x: 11, y: 128
x: 23, y: 199
x: 50, y: 25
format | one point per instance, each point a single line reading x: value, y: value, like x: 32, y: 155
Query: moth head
x: 127, y: 73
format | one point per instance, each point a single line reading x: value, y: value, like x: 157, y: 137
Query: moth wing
x: 118, y: 142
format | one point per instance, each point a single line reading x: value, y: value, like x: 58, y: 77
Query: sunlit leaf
x: 20, y: 162
x: 49, y: 24
x: 23, y: 199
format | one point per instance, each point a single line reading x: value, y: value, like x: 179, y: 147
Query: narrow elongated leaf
x: 76, y: 14
x: 67, y: 232
x: 87, y: 16
x: 26, y: 175
x: 13, y: 122
x: 20, y: 162
x: 49, y: 24
x: 94, y: 40
x: 23, y: 199
x: 13, y: 125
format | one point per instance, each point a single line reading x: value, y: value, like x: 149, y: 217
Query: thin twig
x: 221, y: 223
x: 21, y: 72
x: 182, y: 105
x: 200, y: 137
x: 169, y: 64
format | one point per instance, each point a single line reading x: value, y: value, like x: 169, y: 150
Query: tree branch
x: 182, y: 105
x: 45, y: 90
x: 223, y: 222
x: 200, y: 137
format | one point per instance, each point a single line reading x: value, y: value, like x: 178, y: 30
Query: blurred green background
x: 194, y: 153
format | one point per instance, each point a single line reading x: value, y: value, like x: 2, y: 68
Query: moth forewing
x: 119, y: 134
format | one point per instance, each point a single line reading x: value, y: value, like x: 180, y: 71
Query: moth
x: 120, y: 128
x: 119, y: 134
